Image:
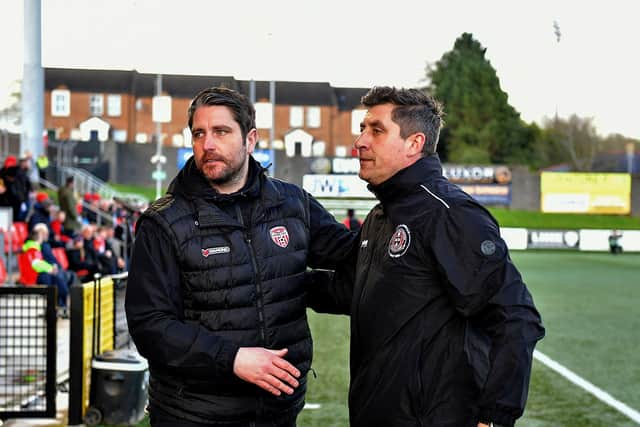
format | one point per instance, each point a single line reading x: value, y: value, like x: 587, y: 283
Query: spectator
x: 614, y: 242
x: 41, y: 271
x: 351, y: 221
x: 68, y: 204
x: 42, y: 162
x: 15, y: 181
x: 57, y: 225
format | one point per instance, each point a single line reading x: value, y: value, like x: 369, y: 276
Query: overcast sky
x: 594, y: 71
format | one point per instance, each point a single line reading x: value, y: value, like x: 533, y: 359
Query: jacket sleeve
x: 334, y: 247
x: 154, y: 309
x: 331, y: 243
x: 486, y: 288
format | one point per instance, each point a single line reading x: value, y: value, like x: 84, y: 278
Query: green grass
x: 148, y: 192
x: 589, y: 306
x: 539, y: 220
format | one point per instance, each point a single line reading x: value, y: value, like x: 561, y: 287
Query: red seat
x: 14, y: 239
x: 22, y: 231
x: 3, y: 272
x: 61, y: 257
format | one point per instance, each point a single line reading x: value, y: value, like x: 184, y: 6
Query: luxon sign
x: 489, y: 185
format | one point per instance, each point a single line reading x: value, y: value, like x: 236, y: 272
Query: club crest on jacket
x: 280, y: 236
x: 400, y: 241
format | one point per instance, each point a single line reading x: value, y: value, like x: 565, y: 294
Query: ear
x: 416, y: 143
x: 252, y: 140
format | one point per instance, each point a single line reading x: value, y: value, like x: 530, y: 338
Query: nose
x: 361, y: 141
x: 209, y: 142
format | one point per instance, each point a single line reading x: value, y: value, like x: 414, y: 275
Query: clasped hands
x: 267, y: 369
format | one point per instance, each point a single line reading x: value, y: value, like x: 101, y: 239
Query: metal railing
x: 85, y: 182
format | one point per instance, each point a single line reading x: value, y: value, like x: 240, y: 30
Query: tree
x: 577, y: 139
x: 12, y: 113
x: 481, y: 126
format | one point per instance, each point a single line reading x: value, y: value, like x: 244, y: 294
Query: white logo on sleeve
x: 400, y: 241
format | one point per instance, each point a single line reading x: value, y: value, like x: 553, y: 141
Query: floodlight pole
x: 158, y: 142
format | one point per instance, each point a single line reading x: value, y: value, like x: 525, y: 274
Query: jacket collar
x: 406, y: 180
x: 193, y: 186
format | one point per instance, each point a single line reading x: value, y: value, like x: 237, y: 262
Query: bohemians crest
x: 400, y: 241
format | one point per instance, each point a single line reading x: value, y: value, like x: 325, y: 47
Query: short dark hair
x: 243, y: 112
x: 414, y: 111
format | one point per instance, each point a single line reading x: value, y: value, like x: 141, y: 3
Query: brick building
x: 310, y: 118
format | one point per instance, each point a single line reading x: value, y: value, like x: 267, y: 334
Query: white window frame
x: 264, y: 115
x: 96, y: 105
x: 314, y: 117
x: 357, y: 116
x: 296, y: 116
x: 114, y: 105
x: 60, y: 103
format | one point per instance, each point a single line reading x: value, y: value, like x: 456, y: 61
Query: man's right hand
x: 266, y: 369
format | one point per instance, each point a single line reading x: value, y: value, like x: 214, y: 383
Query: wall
x: 525, y: 189
x: 130, y: 164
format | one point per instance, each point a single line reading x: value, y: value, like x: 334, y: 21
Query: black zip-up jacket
x: 211, y: 273
x: 442, y: 325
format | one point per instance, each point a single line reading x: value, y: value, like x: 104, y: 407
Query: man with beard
x: 442, y: 325
x: 216, y: 296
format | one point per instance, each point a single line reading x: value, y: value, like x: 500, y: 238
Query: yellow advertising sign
x: 588, y: 193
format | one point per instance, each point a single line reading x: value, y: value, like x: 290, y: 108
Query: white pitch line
x: 587, y: 386
x: 312, y: 406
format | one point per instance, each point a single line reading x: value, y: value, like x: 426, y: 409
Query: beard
x: 224, y: 171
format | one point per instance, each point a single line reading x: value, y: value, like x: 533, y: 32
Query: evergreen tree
x: 481, y: 126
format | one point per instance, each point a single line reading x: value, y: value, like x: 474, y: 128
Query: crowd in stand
x: 67, y: 243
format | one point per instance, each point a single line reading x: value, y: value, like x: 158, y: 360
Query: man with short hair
x: 216, y: 296
x: 442, y: 326
x: 68, y: 204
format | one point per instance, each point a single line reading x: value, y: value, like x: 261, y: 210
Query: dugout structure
x: 98, y: 324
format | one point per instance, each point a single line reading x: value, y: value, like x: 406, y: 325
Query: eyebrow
x: 372, y: 123
x: 214, y: 128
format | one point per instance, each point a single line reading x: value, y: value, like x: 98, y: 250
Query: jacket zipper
x: 371, y: 252
x: 259, y: 298
x: 254, y: 264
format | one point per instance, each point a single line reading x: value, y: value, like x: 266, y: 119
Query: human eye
x: 196, y: 134
x: 221, y: 132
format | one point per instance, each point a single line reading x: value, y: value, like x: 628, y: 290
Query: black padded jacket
x: 211, y: 273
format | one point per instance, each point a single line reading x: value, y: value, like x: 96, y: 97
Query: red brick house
x: 116, y: 105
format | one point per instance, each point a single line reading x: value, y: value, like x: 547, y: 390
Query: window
x: 114, y: 108
x: 141, y: 138
x: 357, y: 116
x: 313, y: 117
x: 60, y: 103
x: 264, y: 115
x: 96, y: 105
x: 296, y: 117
